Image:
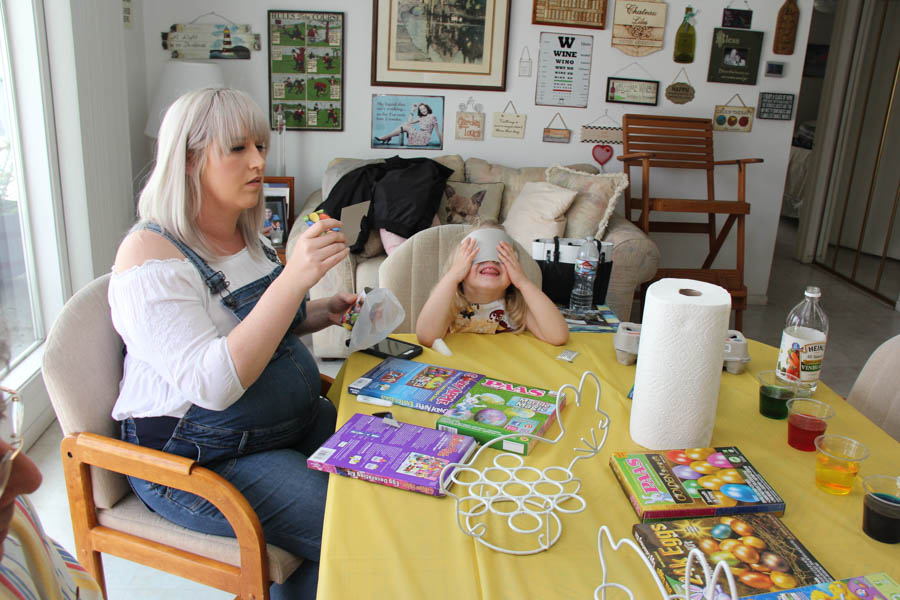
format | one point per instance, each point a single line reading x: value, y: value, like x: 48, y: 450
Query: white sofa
x: 635, y: 257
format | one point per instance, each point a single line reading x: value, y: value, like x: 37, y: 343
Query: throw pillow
x: 481, y: 171
x: 466, y: 202
x: 374, y: 245
x: 595, y: 199
x: 538, y: 212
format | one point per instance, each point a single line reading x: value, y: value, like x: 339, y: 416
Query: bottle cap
x: 813, y: 292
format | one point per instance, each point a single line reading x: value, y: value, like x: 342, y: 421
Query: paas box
x: 877, y: 586
x: 693, y: 482
x: 493, y: 408
x: 400, y: 455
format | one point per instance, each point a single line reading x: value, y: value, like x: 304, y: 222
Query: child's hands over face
x: 509, y: 260
x: 468, y: 248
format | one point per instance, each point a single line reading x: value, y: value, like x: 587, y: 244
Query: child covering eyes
x: 484, y: 290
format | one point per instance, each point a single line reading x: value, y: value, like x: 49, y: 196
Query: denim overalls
x: 260, y: 443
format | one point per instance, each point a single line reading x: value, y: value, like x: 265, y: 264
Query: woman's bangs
x: 235, y: 120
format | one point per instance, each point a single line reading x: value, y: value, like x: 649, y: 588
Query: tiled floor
x: 858, y: 325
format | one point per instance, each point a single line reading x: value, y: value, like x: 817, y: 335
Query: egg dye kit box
x: 878, y: 586
x: 493, y: 408
x: 694, y: 482
x: 762, y: 552
x: 416, y: 385
x: 400, y: 455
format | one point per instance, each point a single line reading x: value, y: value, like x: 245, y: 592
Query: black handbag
x: 557, y: 278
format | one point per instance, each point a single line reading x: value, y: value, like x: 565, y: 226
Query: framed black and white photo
x: 734, y: 57
x: 632, y: 91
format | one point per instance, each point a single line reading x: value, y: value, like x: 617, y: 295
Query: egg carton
x: 627, y: 339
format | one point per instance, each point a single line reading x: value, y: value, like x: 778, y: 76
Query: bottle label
x: 801, y: 357
x: 585, y: 268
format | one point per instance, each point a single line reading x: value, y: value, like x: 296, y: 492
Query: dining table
x: 383, y: 542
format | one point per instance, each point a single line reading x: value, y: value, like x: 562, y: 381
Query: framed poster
x: 734, y: 57
x: 638, y: 26
x: 590, y: 14
x: 564, y: 69
x: 632, y: 91
x: 779, y: 107
x: 422, y: 43
x: 278, y: 193
x: 407, y: 122
x: 306, y: 69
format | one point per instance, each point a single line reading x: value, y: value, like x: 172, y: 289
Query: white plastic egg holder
x: 711, y: 590
x: 527, y: 498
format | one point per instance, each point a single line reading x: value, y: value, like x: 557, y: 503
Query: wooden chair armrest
x: 743, y: 161
x: 326, y: 382
x: 80, y: 450
x: 635, y: 156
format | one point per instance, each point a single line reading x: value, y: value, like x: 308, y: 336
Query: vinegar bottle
x: 803, y: 341
x: 685, y: 39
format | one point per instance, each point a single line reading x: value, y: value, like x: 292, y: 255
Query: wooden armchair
x: 652, y: 141
x: 82, y: 368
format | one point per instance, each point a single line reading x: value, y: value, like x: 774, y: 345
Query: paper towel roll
x: 679, y: 365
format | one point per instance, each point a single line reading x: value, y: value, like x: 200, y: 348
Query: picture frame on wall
x: 419, y: 43
x: 632, y: 91
x: 590, y: 15
x: 306, y: 69
x: 278, y: 193
x: 734, y: 56
x: 415, y: 122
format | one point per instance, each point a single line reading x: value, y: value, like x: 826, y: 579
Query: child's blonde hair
x: 516, y: 307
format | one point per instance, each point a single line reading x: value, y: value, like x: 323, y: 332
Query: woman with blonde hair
x: 214, y: 368
x: 485, y: 290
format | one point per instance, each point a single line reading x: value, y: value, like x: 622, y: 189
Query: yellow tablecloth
x: 381, y: 542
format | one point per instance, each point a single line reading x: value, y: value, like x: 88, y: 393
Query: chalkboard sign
x: 779, y: 107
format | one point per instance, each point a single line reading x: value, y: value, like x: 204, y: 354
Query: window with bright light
x: 17, y: 294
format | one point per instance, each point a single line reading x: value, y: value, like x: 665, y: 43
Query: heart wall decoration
x: 602, y: 153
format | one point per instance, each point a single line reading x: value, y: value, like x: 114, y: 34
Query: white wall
x: 307, y: 153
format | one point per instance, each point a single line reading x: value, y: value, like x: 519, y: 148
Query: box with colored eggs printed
x: 876, y: 586
x: 763, y: 554
x: 695, y: 482
x: 494, y: 408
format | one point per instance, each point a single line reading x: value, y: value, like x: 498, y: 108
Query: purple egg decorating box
x: 400, y: 455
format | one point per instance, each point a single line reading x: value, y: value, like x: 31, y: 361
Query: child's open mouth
x: 489, y: 269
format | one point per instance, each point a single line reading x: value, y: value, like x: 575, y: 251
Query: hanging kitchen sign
x: 638, y: 26
x: 733, y: 118
x: 598, y: 134
x: 559, y: 136
x: 564, y: 69
x: 680, y: 92
x: 734, y: 57
x: 779, y: 107
x: 508, y: 125
x: 205, y: 41
x: 737, y: 18
x: 632, y: 91
x: 470, y: 121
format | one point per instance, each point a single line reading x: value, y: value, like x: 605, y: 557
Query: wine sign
x: 638, y: 26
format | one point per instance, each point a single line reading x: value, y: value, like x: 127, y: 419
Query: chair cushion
x: 131, y: 516
x: 84, y: 386
x: 539, y: 212
x: 595, y: 199
x: 466, y: 202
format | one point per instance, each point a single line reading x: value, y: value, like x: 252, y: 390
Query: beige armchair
x: 876, y: 392
x: 416, y: 266
x: 82, y: 369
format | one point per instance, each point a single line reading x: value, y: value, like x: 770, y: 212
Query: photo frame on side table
x: 415, y: 44
x: 278, y: 193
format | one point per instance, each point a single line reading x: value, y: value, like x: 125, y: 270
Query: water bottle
x: 803, y: 341
x: 582, y: 298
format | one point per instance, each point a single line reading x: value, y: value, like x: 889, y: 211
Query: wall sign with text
x: 779, y: 107
x: 734, y: 57
x: 564, y: 69
x: 632, y: 91
x: 638, y: 26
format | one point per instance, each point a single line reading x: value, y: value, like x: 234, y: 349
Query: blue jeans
x: 260, y: 444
